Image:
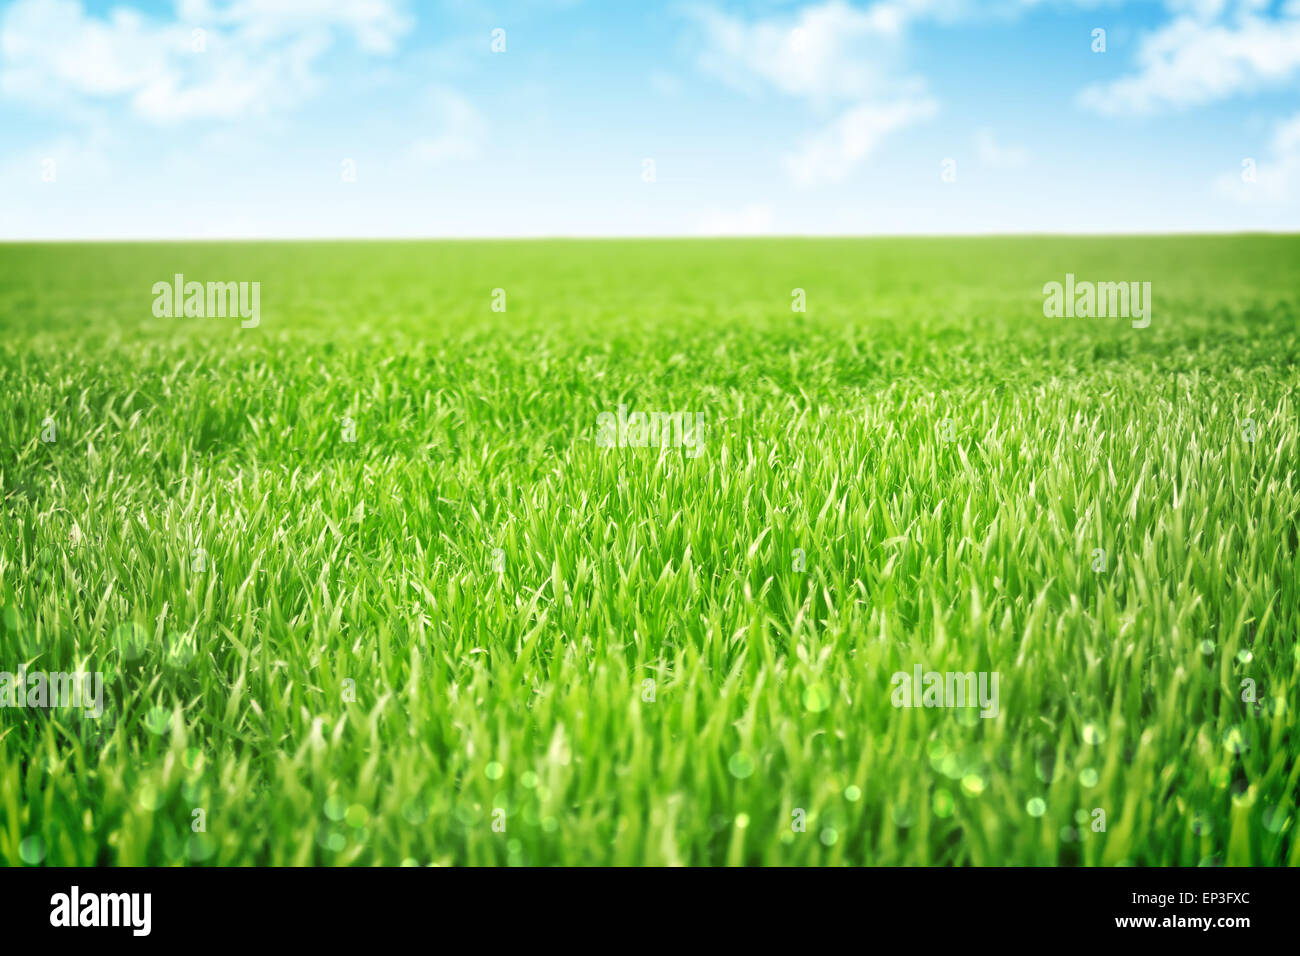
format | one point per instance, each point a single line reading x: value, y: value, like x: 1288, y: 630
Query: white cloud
x: 828, y: 52
x: 835, y: 57
x: 253, y: 56
x: 996, y: 156
x: 375, y: 25
x: 831, y: 154
x: 1276, y: 179
x: 751, y: 220
x: 1206, y: 54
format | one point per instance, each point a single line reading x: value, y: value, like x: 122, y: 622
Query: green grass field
x: 432, y: 644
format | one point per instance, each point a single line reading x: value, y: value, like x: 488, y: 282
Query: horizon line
x: 657, y: 237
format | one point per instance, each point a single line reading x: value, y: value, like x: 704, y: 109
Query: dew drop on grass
x: 852, y: 794
x: 740, y: 766
x: 200, y: 847
x: 528, y: 780
x: 1244, y: 656
x: 147, y: 797
x: 1275, y: 819
x: 1088, y: 777
x: 357, y: 815
x: 335, y: 807
x: 32, y: 850
x: 1234, y: 741
x: 942, y: 804
x: 1207, y: 648
x: 1093, y: 735
x: 1036, y: 807
x: 829, y: 836
x: 816, y: 699
x: 493, y: 771
x: 972, y: 785
x: 742, y: 821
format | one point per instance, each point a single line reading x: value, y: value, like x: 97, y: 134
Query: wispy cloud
x: 459, y: 129
x: 67, y: 160
x: 665, y: 83
x: 835, y: 57
x: 1272, y: 181
x: 831, y: 154
x: 996, y: 156
x: 826, y: 53
x: 1210, y: 51
x: 210, y: 61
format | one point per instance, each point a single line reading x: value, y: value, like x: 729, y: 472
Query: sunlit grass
x: 353, y: 673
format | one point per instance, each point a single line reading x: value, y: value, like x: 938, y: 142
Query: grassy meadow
x: 473, y: 636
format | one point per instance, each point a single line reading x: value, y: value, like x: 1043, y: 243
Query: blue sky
x: 119, y: 120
